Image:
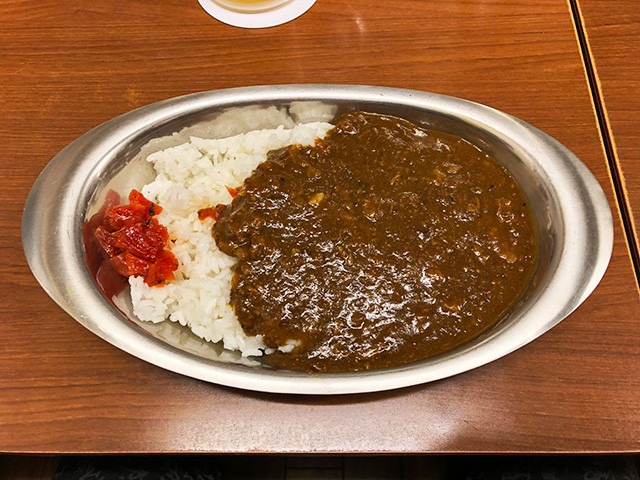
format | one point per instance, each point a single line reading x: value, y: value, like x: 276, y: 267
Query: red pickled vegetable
x: 136, y: 198
x: 142, y: 241
x: 124, y: 216
x: 233, y: 191
x: 212, y: 212
x: 110, y: 281
x: 94, y: 253
x: 162, y: 269
x: 127, y: 264
x: 119, y: 264
x: 133, y: 241
x: 106, y: 241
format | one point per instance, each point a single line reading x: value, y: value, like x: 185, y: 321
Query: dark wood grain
x: 68, y: 66
x: 28, y: 467
x: 612, y: 33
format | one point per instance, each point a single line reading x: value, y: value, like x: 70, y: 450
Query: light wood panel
x: 68, y: 66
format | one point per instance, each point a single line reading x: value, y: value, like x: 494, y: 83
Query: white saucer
x: 269, y: 18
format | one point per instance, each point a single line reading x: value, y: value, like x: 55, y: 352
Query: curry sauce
x: 381, y: 245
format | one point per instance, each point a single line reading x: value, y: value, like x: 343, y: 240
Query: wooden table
x: 68, y: 66
x: 611, y: 32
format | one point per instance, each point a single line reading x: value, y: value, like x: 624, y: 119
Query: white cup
x: 256, y: 13
x: 250, y: 6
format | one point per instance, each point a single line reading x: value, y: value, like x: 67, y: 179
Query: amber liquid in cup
x: 250, y: 6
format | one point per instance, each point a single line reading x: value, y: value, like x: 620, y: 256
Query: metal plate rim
x: 567, y: 173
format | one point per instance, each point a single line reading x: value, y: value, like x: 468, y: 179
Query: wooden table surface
x: 68, y: 66
x: 612, y: 35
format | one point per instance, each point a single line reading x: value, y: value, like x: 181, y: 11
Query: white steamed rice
x: 190, y: 177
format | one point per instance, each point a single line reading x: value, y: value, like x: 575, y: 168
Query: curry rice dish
x: 378, y: 245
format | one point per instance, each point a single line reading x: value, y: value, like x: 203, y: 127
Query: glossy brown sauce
x: 381, y: 245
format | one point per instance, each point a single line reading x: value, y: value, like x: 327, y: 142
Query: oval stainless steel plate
x: 573, y: 221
